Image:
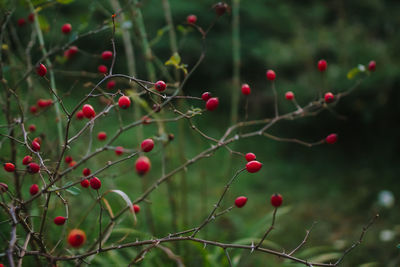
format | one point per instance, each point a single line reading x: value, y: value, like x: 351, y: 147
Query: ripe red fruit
x: 33, y: 168
x: 21, y: 22
x: 220, y: 8
x: 88, y: 111
x: 136, y: 208
x: 68, y: 159
x: 66, y: 28
x: 76, y: 238
x: 79, y: 115
x: 271, y: 75
x: 85, y: 183
x: 31, y: 17
x: 329, y: 97
x: 59, y: 220
x: 240, y: 201
x: 147, y: 145
x: 212, y: 103
x: 191, y: 19
x: 9, y: 167
x: 322, y: 65
x: 41, y: 70
x: 26, y: 160
x: 253, y: 166
x: 111, y: 84
x: 289, y: 95
x: 246, y: 89
x: 250, y: 157
x: 86, y: 172
x: 3, y: 188
x: 41, y: 103
x: 102, y: 136
x: 119, y: 150
x: 35, y: 146
x: 142, y: 165
x: 72, y: 163
x: 276, y: 200
x: 37, y: 139
x: 106, y: 55
x: 95, y: 183
x: 124, y: 102
x: 32, y: 128
x: 205, y: 96
x: 34, y: 189
x: 102, y: 69
x: 160, y: 86
x: 71, y: 52
x: 331, y: 139
x: 33, y: 109
x: 372, y: 65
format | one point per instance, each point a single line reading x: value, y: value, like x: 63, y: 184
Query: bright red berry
x: 220, y: 8
x: 66, y: 28
x: 3, y: 189
x: 160, y: 86
x: 33, y: 168
x: 86, y: 172
x: 41, y: 103
x: 372, y: 66
x: 72, y: 163
x: 205, y: 96
x: 85, y: 183
x: 322, y: 65
x: 68, y: 159
x: 79, y: 115
x: 240, y: 201
x: 41, y: 70
x: 191, y: 19
x: 35, y: 146
x: 9, y: 167
x: 59, y: 220
x: 253, y: 166
x: 329, y: 97
x: 124, y: 102
x: 142, y: 165
x: 95, y: 183
x: 102, y: 69
x: 34, y: 189
x: 88, y: 111
x: 37, y: 139
x: 136, y: 208
x: 33, y: 109
x: 271, y: 75
x: 111, y: 84
x: 331, y: 139
x: 147, y: 145
x: 289, y: 95
x: 250, y: 157
x: 72, y: 51
x: 76, y: 238
x: 246, y: 89
x: 276, y: 200
x: 106, y: 55
x: 212, y: 103
x: 32, y: 128
x: 21, y: 22
x: 102, y: 136
x: 26, y: 160
x: 119, y: 150
x: 31, y: 17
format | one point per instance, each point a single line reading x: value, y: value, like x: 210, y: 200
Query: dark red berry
x: 102, y: 69
x: 191, y: 19
x: 79, y: 115
x: 146, y: 120
x: 253, y: 166
x: 124, y: 102
x: 220, y: 8
x: 37, y: 139
x: 85, y: 183
x: 142, y: 165
x: 322, y: 65
x: 106, y: 55
x: 86, y: 172
x: 21, y: 22
x: 26, y: 160
x: 88, y: 111
x: 72, y: 51
x: 119, y: 150
x: 41, y: 70
x: 372, y: 66
x: 34, y: 189
x: 289, y: 95
x: 205, y: 96
x: 212, y: 103
x: 136, y: 208
x: 276, y: 200
x: 329, y: 97
x: 246, y: 89
x: 66, y: 28
x: 160, y: 86
x: 33, y: 109
x: 68, y: 159
x: 147, y: 145
x: 31, y: 17
x: 3, y: 188
x: 250, y: 157
x: 331, y: 139
x: 33, y: 168
x: 102, y: 136
x: 111, y: 84
x: 76, y: 238
x: 271, y: 75
x: 240, y: 201
x: 32, y: 128
x: 9, y: 167
x: 59, y: 220
x: 95, y: 183
x: 35, y: 146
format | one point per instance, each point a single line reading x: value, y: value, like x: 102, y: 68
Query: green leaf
x: 65, y: 2
x: 174, y: 60
x: 73, y: 190
x: 354, y: 71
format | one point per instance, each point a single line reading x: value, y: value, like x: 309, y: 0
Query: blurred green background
x: 340, y: 186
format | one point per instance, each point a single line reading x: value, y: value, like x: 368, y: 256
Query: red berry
x: 34, y: 189
x: 49, y: 102
x: 106, y: 55
x: 221, y: 8
x: 240, y: 201
x: 71, y: 52
x: 331, y: 139
x: 9, y: 167
x: 72, y: 163
x: 86, y: 172
x: 322, y: 65
x: 271, y: 75
x: 142, y: 165
x: 147, y: 145
x: 31, y: 17
x: 33, y: 168
x: 191, y: 19
x: 372, y: 65
x: 205, y: 96
x: 329, y: 97
x: 79, y: 115
x: 41, y: 70
x: 35, y: 146
x: 95, y: 183
x: 76, y: 238
x: 26, y: 160
x: 124, y: 102
x: 111, y: 84
x: 68, y: 159
x: 289, y: 95
x: 32, y: 128
x: 102, y: 136
x: 37, y: 139
x: 136, y: 208
x: 21, y: 22
x: 212, y: 103
x: 85, y: 183
x: 119, y: 150
x: 41, y: 103
x: 276, y: 200
x: 59, y: 220
x: 3, y: 189
x: 102, y: 69
x: 146, y: 120
x: 66, y: 28
x: 160, y: 86
x: 250, y: 157
x: 253, y: 166
x: 246, y: 89
x: 88, y: 111
x: 33, y: 109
